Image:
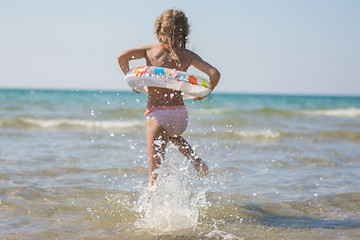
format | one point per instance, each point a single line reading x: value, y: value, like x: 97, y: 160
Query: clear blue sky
x: 260, y: 46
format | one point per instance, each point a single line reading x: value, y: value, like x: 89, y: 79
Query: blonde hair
x: 172, y: 28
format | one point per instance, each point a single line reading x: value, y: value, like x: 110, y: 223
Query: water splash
x: 175, y: 204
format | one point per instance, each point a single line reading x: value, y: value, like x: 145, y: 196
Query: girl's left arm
x: 125, y: 57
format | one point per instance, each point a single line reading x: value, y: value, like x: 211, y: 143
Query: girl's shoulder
x: 151, y: 46
x: 188, y: 54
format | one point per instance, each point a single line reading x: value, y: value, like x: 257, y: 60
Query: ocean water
x: 74, y: 166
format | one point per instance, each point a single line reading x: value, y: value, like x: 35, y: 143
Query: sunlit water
x: 74, y: 166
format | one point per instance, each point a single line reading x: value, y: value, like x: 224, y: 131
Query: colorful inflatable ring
x: 192, y: 86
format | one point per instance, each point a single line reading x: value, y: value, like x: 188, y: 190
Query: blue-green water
x: 74, y: 165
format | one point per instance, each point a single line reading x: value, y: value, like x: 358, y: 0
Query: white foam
x: 55, y: 123
x: 214, y: 111
x: 339, y: 112
x: 259, y: 134
x: 217, y: 233
x: 211, y: 111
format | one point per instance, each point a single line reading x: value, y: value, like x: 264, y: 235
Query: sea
x: 73, y: 165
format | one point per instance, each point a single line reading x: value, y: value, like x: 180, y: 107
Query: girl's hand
x: 201, y: 98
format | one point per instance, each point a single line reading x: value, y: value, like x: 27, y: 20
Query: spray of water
x: 175, y: 202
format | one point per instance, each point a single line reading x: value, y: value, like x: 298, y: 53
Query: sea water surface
x: 74, y: 166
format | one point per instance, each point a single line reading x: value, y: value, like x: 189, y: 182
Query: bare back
x: 156, y: 55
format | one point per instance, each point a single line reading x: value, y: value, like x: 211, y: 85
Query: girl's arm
x: 205, y: 67
x: 125, y: 57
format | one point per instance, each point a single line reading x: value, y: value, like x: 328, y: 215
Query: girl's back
x: 157, y: 55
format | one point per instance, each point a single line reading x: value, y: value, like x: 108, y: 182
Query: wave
x: 339, y: 112
x: 267, y: 111
x: 266, y: 134
x: 344, y: 135
x: 353, y: 136
x: 329, y: 211
x: 25, y: 122
x: 270, y: 111
x: 258, y: 133
x: 216, y: 111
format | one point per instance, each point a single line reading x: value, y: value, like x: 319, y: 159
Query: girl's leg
x: 185, y: 148
x: 156, y: 144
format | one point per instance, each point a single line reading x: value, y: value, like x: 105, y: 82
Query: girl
x: 166, y: 113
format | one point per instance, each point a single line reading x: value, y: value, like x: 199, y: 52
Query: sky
x: 259, y: 46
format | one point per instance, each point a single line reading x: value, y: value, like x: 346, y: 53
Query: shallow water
x: 74, y: 166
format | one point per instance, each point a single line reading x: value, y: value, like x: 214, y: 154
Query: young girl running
x: 166, y: 114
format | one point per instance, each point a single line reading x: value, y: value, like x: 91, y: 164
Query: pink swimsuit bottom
x: 173, y: 118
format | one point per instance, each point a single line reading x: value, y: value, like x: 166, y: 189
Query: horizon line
x: 217, y: 93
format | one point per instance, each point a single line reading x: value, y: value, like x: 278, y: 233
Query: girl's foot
x: 151, y: 185
x: 201, y: 168
x: 151, y: 189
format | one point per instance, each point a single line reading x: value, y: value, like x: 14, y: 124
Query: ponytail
x: 171, y: 29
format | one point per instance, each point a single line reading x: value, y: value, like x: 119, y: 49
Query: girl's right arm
x: 125, y: 57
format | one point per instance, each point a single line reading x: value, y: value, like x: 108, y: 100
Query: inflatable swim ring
x: 192, y: 86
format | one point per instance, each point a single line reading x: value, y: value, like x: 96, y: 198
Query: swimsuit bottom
x: 174, y: 119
